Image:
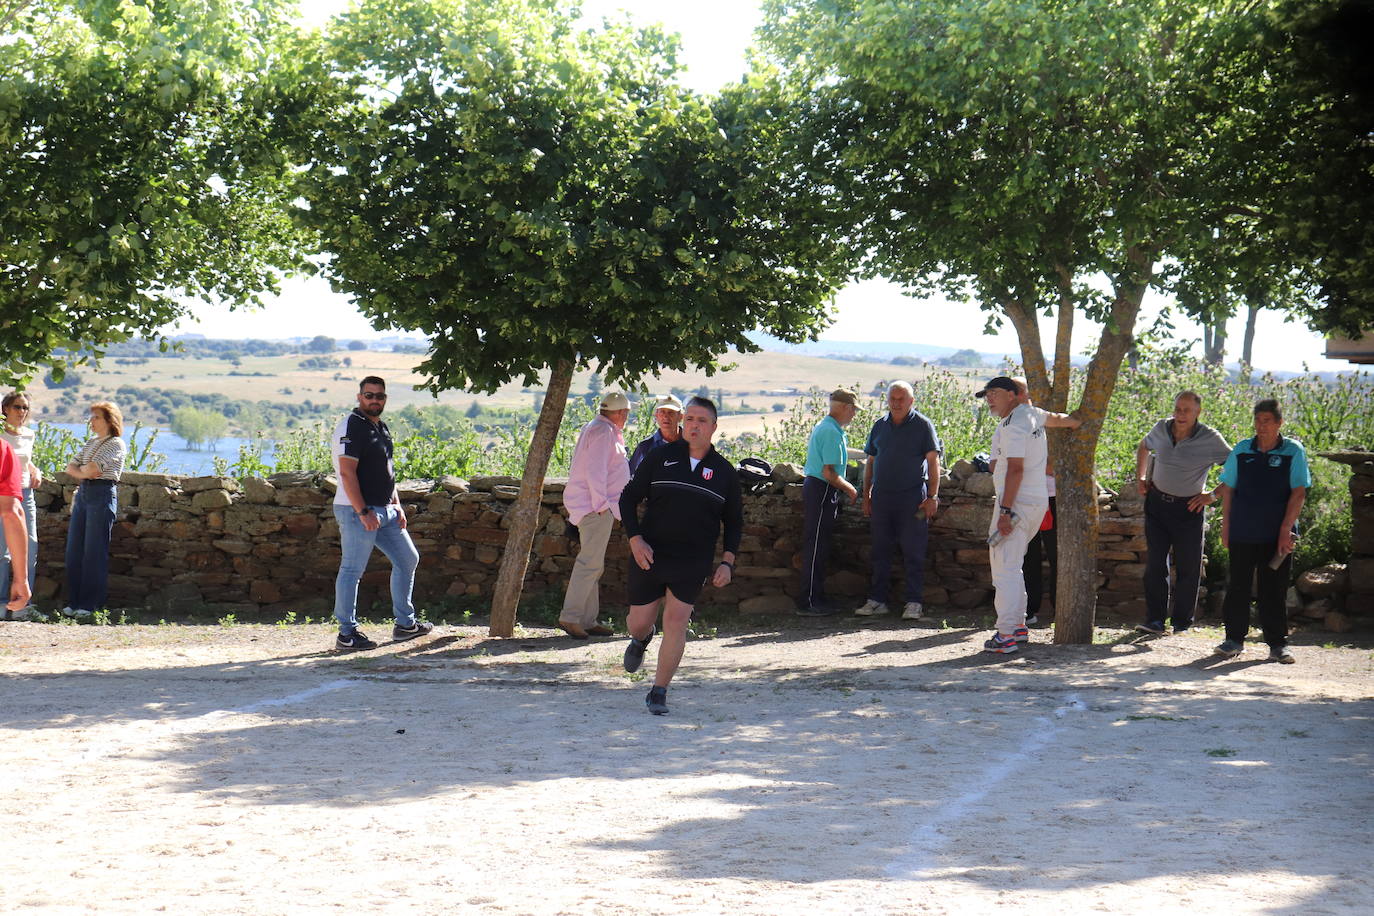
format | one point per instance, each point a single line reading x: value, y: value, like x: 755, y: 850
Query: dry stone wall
x: 1341, y: 596
x: 187, y: 543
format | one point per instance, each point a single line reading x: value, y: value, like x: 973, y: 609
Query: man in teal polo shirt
x: 827, y: 452
x: 1266, y: 480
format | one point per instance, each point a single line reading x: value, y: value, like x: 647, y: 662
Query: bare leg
x: 676, y: 614
x: 640, y: 621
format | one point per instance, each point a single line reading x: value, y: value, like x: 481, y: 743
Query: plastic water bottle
x: 998, y: 537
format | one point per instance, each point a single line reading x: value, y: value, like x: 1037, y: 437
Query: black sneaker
x: 1153, y: 627
x: 815, y: 610
x: 657, y: 701
x: 353, y: 642
x: 634, y: 652
x: 418, y: 628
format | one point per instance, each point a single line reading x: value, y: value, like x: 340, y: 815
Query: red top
x: 11, y: 472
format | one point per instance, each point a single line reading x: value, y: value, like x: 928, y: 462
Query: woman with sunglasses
x: 98, y: 466
x: 15, y: 430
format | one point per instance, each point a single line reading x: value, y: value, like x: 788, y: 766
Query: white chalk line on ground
x: 927, y: 838
x: 162, y: 728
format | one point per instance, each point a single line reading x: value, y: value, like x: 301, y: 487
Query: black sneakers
x: 418, y: 628
x: 657, y: 701
x: 634, y: 653
x: 353, y: 642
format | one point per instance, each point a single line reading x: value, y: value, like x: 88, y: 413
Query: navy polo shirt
x: 1262, y: 482
x: 370, y: 444
x: 901, y: 451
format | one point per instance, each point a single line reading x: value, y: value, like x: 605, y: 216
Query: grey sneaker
x: 657, y: 701
x: 912, y: 611
x: 870, y: 608
x: 1283, y: 655
x: 1228, y: 649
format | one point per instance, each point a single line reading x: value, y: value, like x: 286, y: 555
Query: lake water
x: 181, y: 459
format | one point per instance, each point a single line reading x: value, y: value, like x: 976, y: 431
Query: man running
x: 691, y: 490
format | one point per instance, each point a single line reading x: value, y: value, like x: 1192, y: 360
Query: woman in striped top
x: 15, y: 430
x: 97, y: 466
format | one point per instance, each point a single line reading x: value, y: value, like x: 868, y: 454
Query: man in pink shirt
x: 16, y: 535
x: 600, y: 470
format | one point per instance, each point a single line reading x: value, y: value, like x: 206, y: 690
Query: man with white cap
x: 668, y: 418
x: 1018, y: 469
x: 599, y: 472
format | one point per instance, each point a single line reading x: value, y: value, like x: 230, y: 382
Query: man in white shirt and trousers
x: 1018, y: 472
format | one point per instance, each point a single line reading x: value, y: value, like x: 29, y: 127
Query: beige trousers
x: 582, y: 602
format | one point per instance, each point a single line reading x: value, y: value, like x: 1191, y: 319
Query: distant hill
x: 868, y: 350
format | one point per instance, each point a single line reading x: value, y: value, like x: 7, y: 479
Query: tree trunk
x: 523, y: 516
x: 1075, y: 604
x: 1248, y: 347
x: 1214, y: 340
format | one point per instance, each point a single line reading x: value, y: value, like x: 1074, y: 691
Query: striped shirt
x: 107, y: 452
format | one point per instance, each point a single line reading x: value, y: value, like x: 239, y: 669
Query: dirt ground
x: 817, y: 769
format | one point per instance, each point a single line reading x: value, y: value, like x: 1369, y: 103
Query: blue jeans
x: 88, y: 544
x: 356, y: 544
x: 31, y: 520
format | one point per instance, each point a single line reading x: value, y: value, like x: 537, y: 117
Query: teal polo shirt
x: 827, y: 445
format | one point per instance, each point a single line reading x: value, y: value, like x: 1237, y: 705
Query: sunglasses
x: 374, y: 396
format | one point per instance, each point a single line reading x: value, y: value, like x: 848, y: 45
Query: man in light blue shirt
x: 827, y: 452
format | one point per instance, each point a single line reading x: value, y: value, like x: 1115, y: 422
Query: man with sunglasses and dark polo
x: 370, y: 515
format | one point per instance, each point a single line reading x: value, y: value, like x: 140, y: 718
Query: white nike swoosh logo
x: 668, y: 464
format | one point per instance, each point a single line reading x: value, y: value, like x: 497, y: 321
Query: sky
x: 715, y: 37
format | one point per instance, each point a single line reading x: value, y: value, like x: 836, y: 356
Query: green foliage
x: 132, y: 176
x: 199, y: 427
x: 524, y: 191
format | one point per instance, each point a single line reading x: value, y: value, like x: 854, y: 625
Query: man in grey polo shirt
x: 901, y: 494
x: 1176, y: 496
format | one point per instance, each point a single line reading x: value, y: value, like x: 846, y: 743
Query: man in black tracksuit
x: 691, y: 491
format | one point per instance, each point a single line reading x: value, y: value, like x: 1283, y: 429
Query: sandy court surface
x: 208, y: 770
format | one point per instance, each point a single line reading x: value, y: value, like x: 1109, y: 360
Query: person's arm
x: 1011, y: 487
x: 868, y: 485
x: 932, y: 500
x: 1142, y: 459
x: 1061, y: 420
x: 17, y: 537
x: 1226, y: 496
x: 353, y: 492
x: 734, y: 531
x: 1290, y: 518
x: 836, y: 480
x: 634, y: 493
x: 35, y: 476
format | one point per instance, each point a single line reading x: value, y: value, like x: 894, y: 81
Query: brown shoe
x: 599, y: 630
x: 572, y: 629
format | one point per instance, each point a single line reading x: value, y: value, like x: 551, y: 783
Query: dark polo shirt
x: 901, y: 451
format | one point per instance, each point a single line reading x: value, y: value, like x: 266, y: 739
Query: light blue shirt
x: 827, y: 445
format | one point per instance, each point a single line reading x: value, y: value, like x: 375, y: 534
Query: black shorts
x: 684, y: 577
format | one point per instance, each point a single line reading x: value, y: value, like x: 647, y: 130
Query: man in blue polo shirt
x: 901, y: 494
x: 827, y: 453
x: 1265, y: 483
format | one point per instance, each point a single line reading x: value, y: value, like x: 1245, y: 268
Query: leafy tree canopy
x: 525, y: 192
x: 128, y: 176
